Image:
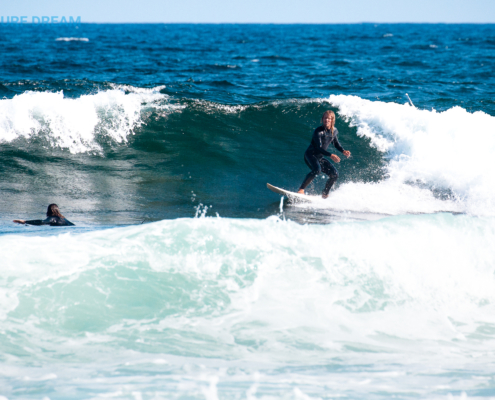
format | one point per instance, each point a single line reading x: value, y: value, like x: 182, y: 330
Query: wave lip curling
x: 75, y: 124
x: 450, y: 150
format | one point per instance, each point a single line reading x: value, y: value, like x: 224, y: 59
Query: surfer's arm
x: 337, y: 145
x: 37, y: 222
x: 52, y: 221
x: 33, y: 222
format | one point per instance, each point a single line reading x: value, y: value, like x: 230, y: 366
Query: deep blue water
x: 438, y: 65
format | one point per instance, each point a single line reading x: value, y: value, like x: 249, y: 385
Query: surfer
x: 55, y: 218
x: 323, y: 136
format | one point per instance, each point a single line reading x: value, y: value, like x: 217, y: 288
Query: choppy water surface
x: 185, y: 277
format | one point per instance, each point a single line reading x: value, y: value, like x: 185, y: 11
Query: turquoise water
x: 243, y: 308
x: 184, y: 277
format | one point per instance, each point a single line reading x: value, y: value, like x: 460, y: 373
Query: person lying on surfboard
x: 55, y: 218
x: 323, y: 136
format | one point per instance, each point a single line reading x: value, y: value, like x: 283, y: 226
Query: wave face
x: 405, y: 160
x: 211, y: 303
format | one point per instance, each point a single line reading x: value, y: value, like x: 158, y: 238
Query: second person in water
x: 54, y: 218
x: 323, y: 136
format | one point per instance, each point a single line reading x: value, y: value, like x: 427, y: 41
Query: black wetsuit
x: 52, y: 221
x: 313, y: 157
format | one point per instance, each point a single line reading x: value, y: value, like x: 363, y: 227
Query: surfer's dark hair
x: 53, y: 211
x: 329, y: 112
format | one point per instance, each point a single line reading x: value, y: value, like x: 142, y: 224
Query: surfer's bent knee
x: 315, y: 172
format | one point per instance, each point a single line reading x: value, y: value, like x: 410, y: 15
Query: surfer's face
x: 327, y: 121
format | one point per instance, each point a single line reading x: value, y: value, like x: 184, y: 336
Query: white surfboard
x: 296, y: 197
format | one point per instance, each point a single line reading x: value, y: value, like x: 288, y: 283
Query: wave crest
x: 75, y: 124
x: 451, y: 150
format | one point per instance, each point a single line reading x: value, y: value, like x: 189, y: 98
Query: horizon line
x: 252, y: 23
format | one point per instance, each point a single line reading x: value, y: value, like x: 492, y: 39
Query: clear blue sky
x: 262, y: 11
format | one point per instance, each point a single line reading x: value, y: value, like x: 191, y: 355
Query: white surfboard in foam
x: 297, y: 197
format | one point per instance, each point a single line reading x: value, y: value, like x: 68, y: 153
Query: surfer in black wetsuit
x: 55, y: 218
x: 323, y: 136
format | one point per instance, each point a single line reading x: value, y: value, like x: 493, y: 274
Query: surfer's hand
x: 335, y: 158
x: 347, y: 153
x: 19, y: 221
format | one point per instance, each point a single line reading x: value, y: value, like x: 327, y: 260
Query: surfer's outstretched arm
x: 35, y: 222
x: 31, y: 222
x: 52, y: 221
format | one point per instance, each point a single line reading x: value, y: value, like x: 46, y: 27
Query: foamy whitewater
x: 198, y: 307
x: 184, y: 277
x: 450, y: 150
x: 75, y: 124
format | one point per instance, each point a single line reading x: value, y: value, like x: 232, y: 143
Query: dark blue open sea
x: 184, y: 277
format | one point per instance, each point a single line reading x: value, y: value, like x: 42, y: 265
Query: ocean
x: 185, y: 277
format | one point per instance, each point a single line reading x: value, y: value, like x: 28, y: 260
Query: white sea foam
x: 451, y: 150
x: 134, y: 89
x: 212, y: 107
x: 385, y: 306
x: 72, y: 39
x: 75, y: 123
x: 388, y: 197
x: 440, y: 264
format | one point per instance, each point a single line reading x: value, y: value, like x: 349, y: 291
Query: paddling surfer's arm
x: 36, y: 222
x: 52, y: 221
x: 31, y: 222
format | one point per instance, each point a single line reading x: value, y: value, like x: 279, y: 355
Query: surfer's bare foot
x: 325, y: 196
x: 300, y: 191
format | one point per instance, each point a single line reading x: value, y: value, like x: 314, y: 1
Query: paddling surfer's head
x: 328, y: 120
x: 53, y: 211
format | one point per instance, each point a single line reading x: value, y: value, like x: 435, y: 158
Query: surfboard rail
x: 292, y: 196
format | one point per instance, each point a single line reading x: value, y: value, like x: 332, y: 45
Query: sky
x: 256, y: 11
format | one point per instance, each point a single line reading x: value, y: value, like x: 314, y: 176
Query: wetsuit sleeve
x: 48, y: 221
x: 52, y: 221
x: 337, y: 145
x: 35, y: 222
x: 318, y: 144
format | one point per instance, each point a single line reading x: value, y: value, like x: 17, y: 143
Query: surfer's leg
x: 331, y: 172
x: 312, y: 162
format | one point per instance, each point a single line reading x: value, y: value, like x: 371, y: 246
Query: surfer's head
x: 53, y: 211
x: 328, y: 120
